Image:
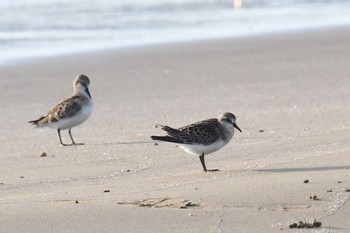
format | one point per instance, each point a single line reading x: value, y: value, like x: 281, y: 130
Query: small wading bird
x: 70, y: 112
x: 203, y: 137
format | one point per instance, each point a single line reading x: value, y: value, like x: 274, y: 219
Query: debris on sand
x: 187, y: 204
x: 42, y: 154
x: 301, y: 224
x: 163, y: 203
x: 314, y: 197
x: 306, y: 181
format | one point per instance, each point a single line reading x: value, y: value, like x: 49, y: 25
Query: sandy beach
x: 289, y: 92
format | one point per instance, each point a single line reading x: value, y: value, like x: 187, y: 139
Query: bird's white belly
x: 75, y: 120
x: 200, y: 149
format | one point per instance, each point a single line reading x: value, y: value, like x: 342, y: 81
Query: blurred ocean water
x: 33, y: 28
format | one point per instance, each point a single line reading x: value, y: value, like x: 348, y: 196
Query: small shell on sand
x: 42, y: 154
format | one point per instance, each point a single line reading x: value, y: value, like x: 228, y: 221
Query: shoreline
x: 271, y: 33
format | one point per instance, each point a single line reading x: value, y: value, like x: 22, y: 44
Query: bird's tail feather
x: 36, y: 122
x: 170, y: 131
x: 166, y: 139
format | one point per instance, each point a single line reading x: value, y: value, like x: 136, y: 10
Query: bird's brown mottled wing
x: 65, y: 109
x: 203, y: 132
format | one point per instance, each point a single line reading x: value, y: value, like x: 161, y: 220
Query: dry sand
x: 289, y: 91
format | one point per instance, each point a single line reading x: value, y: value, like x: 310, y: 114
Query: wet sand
x: 289, y: 92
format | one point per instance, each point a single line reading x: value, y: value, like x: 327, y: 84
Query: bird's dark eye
x: 229, y: 121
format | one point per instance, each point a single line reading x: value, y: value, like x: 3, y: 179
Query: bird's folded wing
x: 203, y: 132
x: 65, y: 109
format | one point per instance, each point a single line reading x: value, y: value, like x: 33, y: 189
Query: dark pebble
x: 302, y: 224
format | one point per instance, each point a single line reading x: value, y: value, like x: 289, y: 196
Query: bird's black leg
x: 59, y: 135
x: 201, y: 158
x: 70, y: 134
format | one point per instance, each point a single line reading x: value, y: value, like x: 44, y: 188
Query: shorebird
x: 203, y: 137
x: 70, y: 112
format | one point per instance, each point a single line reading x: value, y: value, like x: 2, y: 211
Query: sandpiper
x: 70, y: 112
x: 203, y: 137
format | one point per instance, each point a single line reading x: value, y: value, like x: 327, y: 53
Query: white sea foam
x: 31, y: 28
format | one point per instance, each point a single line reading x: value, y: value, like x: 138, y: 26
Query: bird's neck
x: 83, y: 93
x: 226, y: 134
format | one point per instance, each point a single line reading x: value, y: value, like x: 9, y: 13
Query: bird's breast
x: 198, y: 149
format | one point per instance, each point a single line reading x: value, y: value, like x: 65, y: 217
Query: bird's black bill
x: 88, y: 92
x: 236, y: 126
